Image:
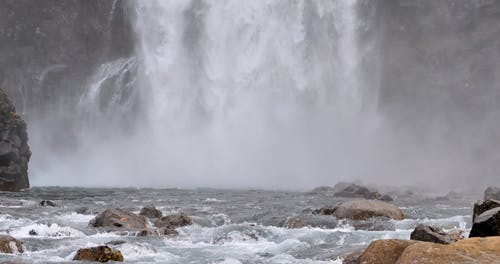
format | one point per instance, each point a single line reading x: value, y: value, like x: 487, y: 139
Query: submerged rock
x: 486, y: 224
x: 98, y: 254
x: 82, y: 210
x: 10, y: 245
x: 173, y: 221
x: 117, y: 218
x: 492, y: 193
x: 14, y: 150
x: 432, y: 234
x: 46, y: 203
x: 480, y: 208
x: 169, y: 232
x: 365, y: 209
x: 150, y: 212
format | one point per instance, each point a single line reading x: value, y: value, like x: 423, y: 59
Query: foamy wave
x: 45, y: 231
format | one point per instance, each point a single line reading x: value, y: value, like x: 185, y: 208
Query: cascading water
x: 252, y: 93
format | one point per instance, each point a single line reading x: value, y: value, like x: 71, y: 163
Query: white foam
x: 76, y: 218
x: 46, y: 231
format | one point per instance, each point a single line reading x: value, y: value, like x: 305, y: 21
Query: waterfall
x: 244, y: 91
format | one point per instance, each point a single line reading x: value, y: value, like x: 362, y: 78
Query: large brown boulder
x: 365, y: 209
x: 492, y: 193
x: 98, y: 254
x: 117, y: 218
x: 470, y: 251
x: 386, y: 251
x: 14, y: 150
x: 432, y: 234
x: 174, y: 221
x: 486, y: 224
x: 9, y: 244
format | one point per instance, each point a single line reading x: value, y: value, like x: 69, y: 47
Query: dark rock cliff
x: 48, y: 49
x: 14, y: 151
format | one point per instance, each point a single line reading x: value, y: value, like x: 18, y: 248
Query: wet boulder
x: 432, y: 234
x: 386, y: 198
x: 117, y: 218
x: 169, y: 232
x: 98, y: 254
x: 492, y: 193
x: 14, y: 150
x: 173, y: 221
x: 480, y: 208
x: 467, y: 251
x: 10, y: 245
x: 486, y: 224
x: 150, y: 212
x: 366, y: 209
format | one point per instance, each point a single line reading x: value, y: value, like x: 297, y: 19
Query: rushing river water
x: 230, y: 226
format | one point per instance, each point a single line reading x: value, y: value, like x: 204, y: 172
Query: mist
x: 273, y: 95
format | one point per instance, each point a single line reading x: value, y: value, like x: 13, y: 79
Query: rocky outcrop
x: 433, y: 234
x: 9, y: 244
x: 470, y: 251
x: 492, y: 193
x: 119, y: 219
x: 150, y: 212
x: 365, y: 209
x: 173, y: 221
x: 14, y: 151
x: 486, y: 224
x: 480, y: 208
x: 98, y: 254
x: 396, y: 251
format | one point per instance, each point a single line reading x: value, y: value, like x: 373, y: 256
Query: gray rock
x: 119, y: 219
x: 480, y: 208
x: 151, y: 212
x: 14, y: 150
x: 173, y: 221
x: 432, y: 234
x: 486, y: 224
x: 366, y: 209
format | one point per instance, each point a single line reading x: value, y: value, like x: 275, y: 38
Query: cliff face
x: 14, y: 150
x: 48, y: 49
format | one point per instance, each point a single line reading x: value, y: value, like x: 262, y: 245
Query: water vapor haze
x: 282, y: 94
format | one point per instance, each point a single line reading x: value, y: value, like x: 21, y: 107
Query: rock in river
x: 365, y: 209
x: 98, y: 254
x: 174, y: 221
x: 117, y: 218
x: 432, y: 234
x: 150, y: 212
x: 9, y: 244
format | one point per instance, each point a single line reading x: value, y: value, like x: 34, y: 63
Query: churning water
x: 230, y: 226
